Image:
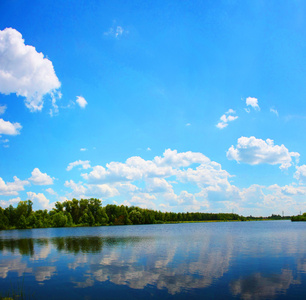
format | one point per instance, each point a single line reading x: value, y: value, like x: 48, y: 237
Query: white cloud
x: 226, y: 118
x: 25, y: 72
x: 144, y: 200
x: 135, y: 168
x: 274, y: 111
x: 288, y: 190
x: 6, y: 127
x: 158, y: 185
x: 78, y: 189
x: 209, y: 174
x: 84, y: 163
x: 41, y: 199
x: 172, y: 158
x: 81, y: 101
x: 39, y: 178
x: 101, y: 190
x: 251, y: 101
x: 116, y: 32
x: 83, y: 149
x: 148, y: 149
x: 200, y: 184
x: 51, y: 191
x: 231, y: 111
x: 300, y: 174
x: 6, y: 203
x: 12, y: 188
x: 2, y: 109
x: 256, y: 151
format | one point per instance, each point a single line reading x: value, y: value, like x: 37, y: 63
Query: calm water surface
x: 237, y: 260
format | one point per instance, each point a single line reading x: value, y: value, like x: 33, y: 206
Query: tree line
x: 299, y: 217
x: 89, y: 212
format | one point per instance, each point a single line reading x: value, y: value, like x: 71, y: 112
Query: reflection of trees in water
x: 258, y: 286
x: 73, y: 245
x: 78, y: 244
x: 24, y: 246
x: 175, y: 264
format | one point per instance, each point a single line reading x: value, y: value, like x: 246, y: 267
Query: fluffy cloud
x: 6, y: 203
x: 158, y: 185
x: 256, y: 151
x: 84, y: 163
x: 288, y: 190
x: 81, y: 101
x: 39, y: 178
x: 226, y: 118
x: 12, y: 188
x: 172, y: 158
x: 144, y: 200
x: 2, y: 109
x: 136, y: 168
x: 101, y: 190
x: 9, y: 128
x: 40, y: 199
x: 300, y: 173
x: 253, y: 102
x: 26, y: 72
x: 51, y: 191
x: 78, y: 189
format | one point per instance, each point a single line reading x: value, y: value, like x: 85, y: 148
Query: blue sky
x: 170, y: 105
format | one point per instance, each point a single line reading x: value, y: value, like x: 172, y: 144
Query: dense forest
x: 89, y: 212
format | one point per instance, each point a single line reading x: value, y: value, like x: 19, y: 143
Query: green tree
x: 59, y: 219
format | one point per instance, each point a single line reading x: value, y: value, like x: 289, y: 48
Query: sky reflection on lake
x: 251, y: 260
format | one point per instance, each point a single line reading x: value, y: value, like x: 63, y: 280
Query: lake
x: 230, y: 260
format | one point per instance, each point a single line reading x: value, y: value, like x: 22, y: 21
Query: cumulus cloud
x: 78, y: 189
x: 255, y: 151
x: 144, y: 200
x: 41, y: 199
x: 300, y: 174
x: 288, y: 190
x: 81, y: 101
x: 101, y: 190
x: 83, y: 149
x: 6, y: 203
x: 172, y: 158
x: 200, y: 184
x: 226, y: 118
x: 26, y: 72
x: 39, y: 178
x: 9, y: 128
x: 158, y: 185
x: 12, y: 188
x: 2, y: 109
x: 84, y: 163
x: 253, y: 102
x: 51, y: 191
